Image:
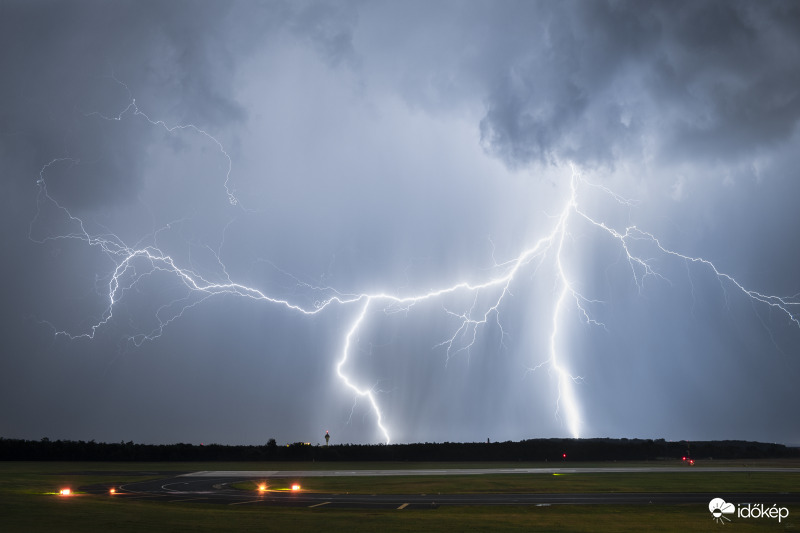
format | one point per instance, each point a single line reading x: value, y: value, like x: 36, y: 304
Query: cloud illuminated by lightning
x: 134, y: 264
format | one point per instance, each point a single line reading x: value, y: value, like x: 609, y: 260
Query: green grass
x: 25, y: 506
x: 101, y: 514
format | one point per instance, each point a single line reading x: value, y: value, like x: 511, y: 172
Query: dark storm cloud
x: 716, y: 79
x: 63, y: 61
x: 585, y: 81
x: 59, y: 59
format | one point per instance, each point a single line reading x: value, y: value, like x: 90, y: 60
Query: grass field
x: 25, y: 504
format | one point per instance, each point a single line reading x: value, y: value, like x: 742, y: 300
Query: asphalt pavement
x: 215, y: 487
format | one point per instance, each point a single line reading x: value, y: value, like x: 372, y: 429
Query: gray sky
x: 227, y: 222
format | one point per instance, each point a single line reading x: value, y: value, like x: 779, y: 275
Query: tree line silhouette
x: 533, y: 450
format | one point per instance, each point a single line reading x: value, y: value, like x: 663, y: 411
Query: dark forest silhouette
x: 551, y: 450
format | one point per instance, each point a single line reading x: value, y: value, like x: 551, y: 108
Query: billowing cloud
x: 714, y: 80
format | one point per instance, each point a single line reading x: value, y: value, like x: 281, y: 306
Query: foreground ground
x: 28, y: 501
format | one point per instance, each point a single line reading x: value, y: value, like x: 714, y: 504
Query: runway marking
x: 318, y: 504
x: 403, y: 506
x: 247, y: 501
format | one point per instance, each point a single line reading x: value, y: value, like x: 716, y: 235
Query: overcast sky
x: 308, y: 163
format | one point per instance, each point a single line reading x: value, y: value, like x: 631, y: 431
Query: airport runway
x: 475, y: 471
x: 215, y: 487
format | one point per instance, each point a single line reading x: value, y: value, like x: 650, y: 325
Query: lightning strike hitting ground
x: 134, y: 264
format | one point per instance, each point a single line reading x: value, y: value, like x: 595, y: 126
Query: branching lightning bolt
x: 133, y: 264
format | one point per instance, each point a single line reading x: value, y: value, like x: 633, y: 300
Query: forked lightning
x: 134, y: 263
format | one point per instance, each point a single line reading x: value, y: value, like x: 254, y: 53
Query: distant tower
x: 327, y: 438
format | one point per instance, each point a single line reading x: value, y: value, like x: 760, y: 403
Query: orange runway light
x: 295, y: 487
x: 112, y: 490
x: 65, y: 492
x: 262, y: 487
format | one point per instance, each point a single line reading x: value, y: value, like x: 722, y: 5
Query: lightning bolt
x: 134, y: 264
x: 134, y: 110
